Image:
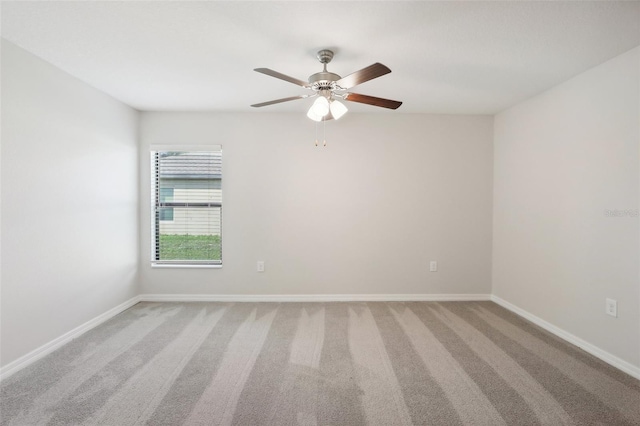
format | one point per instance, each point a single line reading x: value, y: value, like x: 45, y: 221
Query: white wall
x: 365, y: 214
x: 562, y: 159
x: 69, y: 210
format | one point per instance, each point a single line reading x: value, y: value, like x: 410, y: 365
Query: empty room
x: 320, y: 213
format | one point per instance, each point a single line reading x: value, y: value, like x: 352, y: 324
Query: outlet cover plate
x: 611, y: 307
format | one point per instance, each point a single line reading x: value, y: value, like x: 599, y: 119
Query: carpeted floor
x: 452, y: 363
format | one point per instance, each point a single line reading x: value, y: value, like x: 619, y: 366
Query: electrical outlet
x: 260, y: 266
x: 433, y: 266
x: 611, y: 308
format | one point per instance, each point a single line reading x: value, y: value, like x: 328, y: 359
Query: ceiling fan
x: 329, y: 87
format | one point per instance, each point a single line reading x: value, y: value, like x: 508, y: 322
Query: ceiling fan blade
x: 277, y: 101
x: 281, y: 76
x: 372, y: 100
x: 369, y: 73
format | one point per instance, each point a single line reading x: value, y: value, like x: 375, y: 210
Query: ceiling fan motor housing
x: 324, y: 80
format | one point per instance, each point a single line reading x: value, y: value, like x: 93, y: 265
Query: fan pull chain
x: 316, y: 133
x: 324, y: 133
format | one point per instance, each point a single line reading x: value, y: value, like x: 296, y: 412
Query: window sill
x: 175, y: 266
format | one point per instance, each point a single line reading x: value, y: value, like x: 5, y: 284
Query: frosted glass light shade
x: 320, y: 106
x: 337, y: 109
x: 312, y: 115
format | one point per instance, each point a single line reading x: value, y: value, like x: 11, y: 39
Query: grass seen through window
x: 190, y: 247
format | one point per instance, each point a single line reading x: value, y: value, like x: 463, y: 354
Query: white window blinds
x: 187, y: 207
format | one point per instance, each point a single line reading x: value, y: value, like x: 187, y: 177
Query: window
x: 166, y: 214
x: 187, y: 207
x: 166, y: 195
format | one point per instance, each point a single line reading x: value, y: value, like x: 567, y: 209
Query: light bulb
x: 337, y: 109
x: 321, y: 106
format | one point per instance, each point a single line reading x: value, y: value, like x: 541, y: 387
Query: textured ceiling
x: 446, y: 57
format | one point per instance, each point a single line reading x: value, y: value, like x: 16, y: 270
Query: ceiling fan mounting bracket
x: 325, y: 56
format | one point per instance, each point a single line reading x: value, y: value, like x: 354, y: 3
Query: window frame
x: 157, y: 203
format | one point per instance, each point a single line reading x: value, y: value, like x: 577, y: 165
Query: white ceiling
x: 446, y: 57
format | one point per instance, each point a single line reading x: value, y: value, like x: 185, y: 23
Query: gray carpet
x: 452, y: 363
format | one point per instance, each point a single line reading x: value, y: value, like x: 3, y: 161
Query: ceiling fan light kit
x: 328, y: 86
x: 323, y: 109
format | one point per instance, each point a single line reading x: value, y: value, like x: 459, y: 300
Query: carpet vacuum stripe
x: 338, y: 363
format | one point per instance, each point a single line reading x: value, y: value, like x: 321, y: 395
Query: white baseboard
x: 312, y: 297
x: 56, y: 343
x: 605, y: 356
